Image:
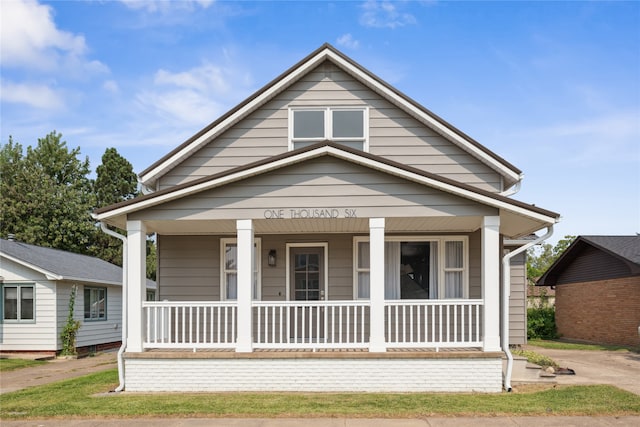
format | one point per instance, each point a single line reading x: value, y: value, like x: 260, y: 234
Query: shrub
x: 541, y: 323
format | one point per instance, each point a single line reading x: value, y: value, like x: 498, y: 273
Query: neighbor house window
x: 95, y: 303
x: 345, y: 125
x: 416, y: 267
x: 18, y: 302
x: 229, y: 269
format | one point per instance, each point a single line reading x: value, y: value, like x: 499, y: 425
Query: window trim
x: 328, y: 124
x: 441, y: 260
x: 257, y: 241
x: 106, y: 305
x: 18, y: 308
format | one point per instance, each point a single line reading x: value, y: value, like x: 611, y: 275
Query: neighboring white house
x: 36, y: 285
x: 327, y: 234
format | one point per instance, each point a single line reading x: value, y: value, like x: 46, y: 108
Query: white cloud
x: 384, y: 14
x: 34, y: 95
x: 111, y: 86
x: 166, y: 6
x: 31, y: 39
x: 348, y: 41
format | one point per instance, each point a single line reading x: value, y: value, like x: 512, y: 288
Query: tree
x: 539, y: 259
x: 46, y: 195
x: 115, y: 182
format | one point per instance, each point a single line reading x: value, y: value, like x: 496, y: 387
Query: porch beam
x: 136, y: 283
x: 491, y: 282
x: 244, y: 343
x: 377, y: 342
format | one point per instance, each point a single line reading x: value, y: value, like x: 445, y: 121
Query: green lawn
x: 562, y: 345
x: 83, y: 397
x: 11, y: 364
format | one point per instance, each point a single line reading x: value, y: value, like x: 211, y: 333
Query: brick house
x: 597, y: 283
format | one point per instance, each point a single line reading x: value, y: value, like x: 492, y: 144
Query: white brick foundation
x: 314, y: 375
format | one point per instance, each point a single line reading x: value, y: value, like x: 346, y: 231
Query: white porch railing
x: 433, y: 323
x: 192, y: 324
x: 311, y: 324
x: 314, y: 324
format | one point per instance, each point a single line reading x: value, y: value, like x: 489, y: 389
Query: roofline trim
x: 50, y: 275
x: 161, y: 167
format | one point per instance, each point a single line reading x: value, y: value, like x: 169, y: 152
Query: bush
x: 541, y: 323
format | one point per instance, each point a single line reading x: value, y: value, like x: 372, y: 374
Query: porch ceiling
x: 317, y: 225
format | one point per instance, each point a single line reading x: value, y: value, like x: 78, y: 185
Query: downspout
x: 513, y: 189
x: 506, y: 293
x: 124, y: 304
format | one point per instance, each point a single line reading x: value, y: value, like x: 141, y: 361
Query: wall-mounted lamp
x: 271, y: 259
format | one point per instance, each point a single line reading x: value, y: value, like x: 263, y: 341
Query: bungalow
x: 327, y: 234
x: 36, y: 285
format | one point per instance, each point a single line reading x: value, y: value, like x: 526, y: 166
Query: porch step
x: 524, y: 372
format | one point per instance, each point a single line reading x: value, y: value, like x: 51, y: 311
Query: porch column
x: 491, y: 282
x: 245, y: 262
x: 136, y: 283
x: 377, y: 341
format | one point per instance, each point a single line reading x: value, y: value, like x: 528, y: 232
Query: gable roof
x: 623, y: 248
x: 115, y: 214
x: 150, y: 175
x: 57, y: 264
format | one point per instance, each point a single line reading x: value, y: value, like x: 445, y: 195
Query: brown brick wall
x: 606, y: 311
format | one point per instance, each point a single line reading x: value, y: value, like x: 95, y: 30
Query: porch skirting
x: 314, y: 372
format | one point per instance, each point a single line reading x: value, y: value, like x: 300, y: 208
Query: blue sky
x: 553, y: 87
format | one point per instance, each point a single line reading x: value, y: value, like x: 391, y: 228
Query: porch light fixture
x: 271, y: 260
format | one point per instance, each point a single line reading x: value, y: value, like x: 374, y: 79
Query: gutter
x: 124, y: 305
x: 506, y: 292
x: 513, y: 189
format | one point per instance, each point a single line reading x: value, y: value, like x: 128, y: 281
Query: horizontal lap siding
x: 94, y: 332
x: 517, y: 301
x: 319, y: 183
x: 393, y: 134
x: 315, y: 375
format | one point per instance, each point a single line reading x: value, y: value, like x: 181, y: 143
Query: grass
x: 563, y: 345
x: 537, y: 358
x: 84, y: 397
x: 7, y: 365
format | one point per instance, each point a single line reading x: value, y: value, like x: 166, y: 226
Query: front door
x: 307, y: 284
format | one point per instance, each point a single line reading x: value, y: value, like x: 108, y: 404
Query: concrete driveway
x: 618, y: 368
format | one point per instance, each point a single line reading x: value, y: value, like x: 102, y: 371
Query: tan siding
x: 393, y: 134
x: 189, y: 268
x: 319, y: 183
x: 517, y: 301
x: 475, y: 265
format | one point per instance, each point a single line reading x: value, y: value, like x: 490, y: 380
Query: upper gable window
x: 344, y: 125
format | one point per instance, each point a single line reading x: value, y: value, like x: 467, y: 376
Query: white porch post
x: 377, y: 341
x: 491, y: 282
x: 245, y: 261
x: 136, y: 282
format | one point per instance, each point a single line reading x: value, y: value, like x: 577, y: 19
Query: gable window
x: 416, y: 267
x: 345, y: 125
x: 95, y: 303
x: 18, y: 302
x: 229, y: 270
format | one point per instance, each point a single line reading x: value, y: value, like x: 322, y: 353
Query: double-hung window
x: 229, y: 270
x: 18, y: 302
x: 95, y: 303
x: 345, y: 125
x: 416, y: 267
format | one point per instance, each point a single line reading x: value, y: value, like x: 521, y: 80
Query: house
x: 597, y: 284
x: 36, y: 285
x: 328, y: 233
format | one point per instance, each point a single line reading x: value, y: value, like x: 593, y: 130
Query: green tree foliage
x: 539, y: 259
x: 46, y: 195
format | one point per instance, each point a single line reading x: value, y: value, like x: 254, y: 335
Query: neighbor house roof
x: 115, y: 214
x: 326, y: 52
x: 624, y: 248
x: 57, y: 264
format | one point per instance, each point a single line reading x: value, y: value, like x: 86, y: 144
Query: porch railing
x: 433, y: 323
x: 311, y: 324
x: 192, y: 324
x: 314, y: 324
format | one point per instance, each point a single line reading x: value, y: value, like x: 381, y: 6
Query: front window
x: 95, y: 303
x: 18, y: 302
x: 345, y: 125
x: 416, y: 268
x: 229, y: 270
